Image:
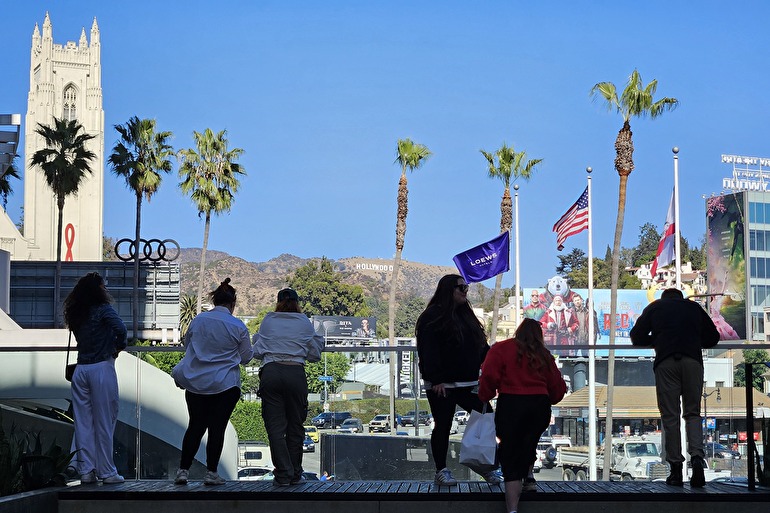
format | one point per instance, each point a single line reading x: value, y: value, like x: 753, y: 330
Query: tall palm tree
x: 5, y: 182
x: 65, y: 162
x: 411, y: 156
x: 636, y: 101
x: 504, y: 164
x: 210, y: 176
x: 139, y: 156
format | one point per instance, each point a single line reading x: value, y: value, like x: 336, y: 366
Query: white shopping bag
x: 478, y: 449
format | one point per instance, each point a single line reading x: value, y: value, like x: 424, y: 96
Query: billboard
x: 564, y: 317
x: 344, y: 327
x: 726, y: 219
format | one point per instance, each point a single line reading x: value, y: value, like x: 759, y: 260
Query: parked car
x: 453, y: 429
x: 462, y: 417
x: 351, y: 425
x: 381, y: 423
x: 330, y: 419
x: 547, y: 449
x: 312, y: 432
x: 252, y: 473
x: 717, y: 450
x: 309, y: 476
x: 308, y: 445
x: 423, y: 417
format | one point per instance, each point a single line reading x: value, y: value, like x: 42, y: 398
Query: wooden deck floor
x: 407, y: 497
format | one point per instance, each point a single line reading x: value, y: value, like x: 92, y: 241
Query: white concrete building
x: 64, y: 82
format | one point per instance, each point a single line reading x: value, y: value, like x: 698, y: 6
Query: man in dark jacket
x: 678, y: 329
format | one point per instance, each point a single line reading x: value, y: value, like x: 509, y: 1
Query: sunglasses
x: 463, y: 287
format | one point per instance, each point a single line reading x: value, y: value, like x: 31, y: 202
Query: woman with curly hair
x: 100, y: 336
x: 523, y: 374
x: 451, y: 344
x: 216, y: 345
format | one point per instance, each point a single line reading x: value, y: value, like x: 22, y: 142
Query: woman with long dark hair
x: 285, y: 341
x: 451, y: 344
x: 523, y: 374
x: 100, y: 336
x: 216, y: 345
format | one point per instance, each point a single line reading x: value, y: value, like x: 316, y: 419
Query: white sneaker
x: 89, y: 478
x: 116, y: 479
x: 181, y: 476
x: 492, y: 477
x: 212, y: 479
x: 444, y: 477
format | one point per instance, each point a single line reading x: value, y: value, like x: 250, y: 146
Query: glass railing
x: 35, y: 398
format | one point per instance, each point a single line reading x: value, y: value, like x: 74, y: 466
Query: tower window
x: 70, y: 96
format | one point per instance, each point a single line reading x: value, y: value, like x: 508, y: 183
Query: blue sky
x: 317, y: 94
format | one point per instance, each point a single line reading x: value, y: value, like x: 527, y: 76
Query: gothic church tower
x: 64, y: 82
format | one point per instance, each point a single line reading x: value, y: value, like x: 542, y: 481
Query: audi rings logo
x: 154, y: 250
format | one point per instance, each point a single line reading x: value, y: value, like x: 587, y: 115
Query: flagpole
x: 678, y: 261
x: 518, y: 276
x: 591, y: 352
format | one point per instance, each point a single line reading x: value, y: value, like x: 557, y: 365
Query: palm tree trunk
x: 57, y: 275
x: 505, y: 226
x: 135, y: 295
x: 495, y: 308
x: 613, y: 312
x: 402, y: 209
x: 203, y: 260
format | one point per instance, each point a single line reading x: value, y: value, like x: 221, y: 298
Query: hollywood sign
x: 744, y: 177
x: 374, y: 267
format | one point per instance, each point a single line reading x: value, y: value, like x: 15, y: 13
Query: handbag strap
x: 69, y: 344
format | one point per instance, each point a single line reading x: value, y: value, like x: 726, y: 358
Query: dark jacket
x: 101, y: 336
x: 675, y: 327
x: 444, y: 357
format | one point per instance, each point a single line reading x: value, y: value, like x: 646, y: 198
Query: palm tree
x: 139, y: 157
x: 5, y: 183
x: 411, y: 156
x: 210, y: 176
x: 635, y: 101
x: 187, y: 309
x: 504, y: 164
x: 65, y: 162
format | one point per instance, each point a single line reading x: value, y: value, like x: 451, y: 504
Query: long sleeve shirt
x: 287, y: 337
x: 505, y: 373
x: 675, y: 326
x: 216, y: 344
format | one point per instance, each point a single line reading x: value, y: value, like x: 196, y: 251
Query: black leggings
x: 443, y: 410
x: 207, y: 412
x: 519, y: 422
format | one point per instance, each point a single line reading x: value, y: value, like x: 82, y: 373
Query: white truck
x: 631, y: 459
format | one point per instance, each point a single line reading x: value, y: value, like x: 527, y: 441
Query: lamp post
x: 706, y: 395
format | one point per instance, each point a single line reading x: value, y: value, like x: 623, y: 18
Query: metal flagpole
x: 591, y: 352
x: 678, y: 260
x: 516, y: 247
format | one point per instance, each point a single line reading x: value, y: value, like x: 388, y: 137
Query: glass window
x: 752, y: 212
x: 752, y: 240
x: 70, y: 97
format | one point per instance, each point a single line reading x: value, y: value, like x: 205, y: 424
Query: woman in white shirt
x: 216, y: 344
x: 285, y: 341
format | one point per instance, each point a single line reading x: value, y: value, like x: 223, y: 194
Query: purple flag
x: 485, y: 260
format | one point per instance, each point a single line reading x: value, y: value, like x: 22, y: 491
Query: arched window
x: 70, y: 96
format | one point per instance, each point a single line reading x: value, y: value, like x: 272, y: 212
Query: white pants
x: 95, y: 404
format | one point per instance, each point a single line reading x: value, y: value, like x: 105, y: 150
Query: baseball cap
x: 285, y: 294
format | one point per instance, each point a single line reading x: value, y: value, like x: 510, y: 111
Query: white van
x: 547, y: 449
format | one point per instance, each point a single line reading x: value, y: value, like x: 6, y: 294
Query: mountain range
x: 258, y: 282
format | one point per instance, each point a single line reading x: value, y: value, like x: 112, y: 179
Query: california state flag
x: 666, y: 247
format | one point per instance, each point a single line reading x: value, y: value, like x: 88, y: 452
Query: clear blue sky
x: 317, y: 94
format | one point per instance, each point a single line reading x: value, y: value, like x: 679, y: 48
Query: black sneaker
x: 675, y: 477
x: 698, y: 479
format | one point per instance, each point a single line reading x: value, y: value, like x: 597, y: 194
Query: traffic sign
x: 325, y: 378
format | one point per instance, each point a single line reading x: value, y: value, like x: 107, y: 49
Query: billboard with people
x: 334, y: 326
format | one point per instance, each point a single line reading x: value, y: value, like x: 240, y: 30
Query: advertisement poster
x: 726, y: 218
x: 562, y: 313
x: 344, y: 327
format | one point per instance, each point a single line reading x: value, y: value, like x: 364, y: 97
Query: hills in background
x: 258, y: 282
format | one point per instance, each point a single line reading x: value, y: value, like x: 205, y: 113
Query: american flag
x: 574, y: 221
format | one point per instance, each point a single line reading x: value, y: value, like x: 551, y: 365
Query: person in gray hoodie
x: 285, y: 341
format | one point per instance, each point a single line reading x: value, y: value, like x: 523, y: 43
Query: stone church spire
x: 94, y: 33
x: 83, y: 43
x: 47, y: 29
x: 35, y: 36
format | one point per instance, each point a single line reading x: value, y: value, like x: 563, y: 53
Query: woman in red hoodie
x: 524, y: 376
